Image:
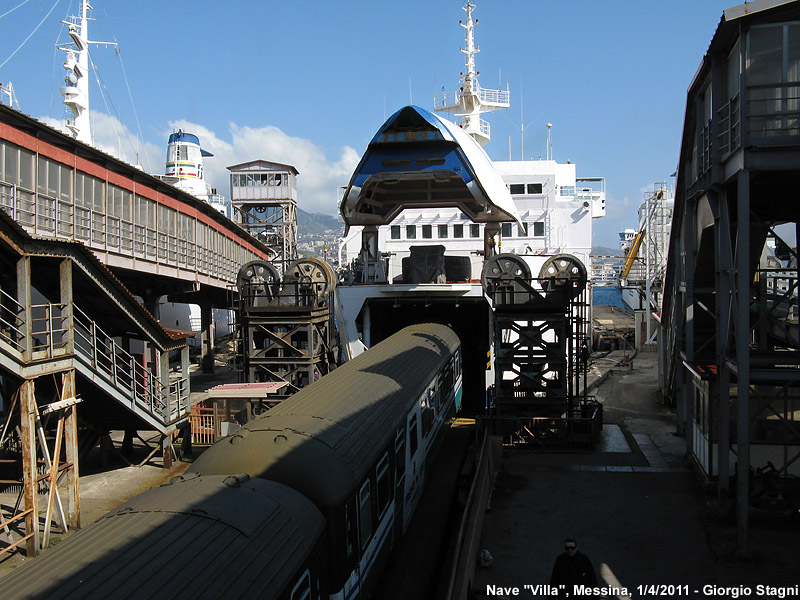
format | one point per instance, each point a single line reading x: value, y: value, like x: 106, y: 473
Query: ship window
x: 505, y: 229
x: 411, y: 232
x: 365, y: 514
x: 396, y: 162
x: 427, y: 232
x: 429, y: 162
x: 517, y: 188
x: 534, y: 188
x: 523, y: 230
x: 458, y: 231
x: 395, y: 232
x: 442, y: 231
x: 538, y: 229
x: 475, y: 230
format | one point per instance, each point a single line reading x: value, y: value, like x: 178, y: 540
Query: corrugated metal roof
x: 195, y: 537
x: 322, y: 440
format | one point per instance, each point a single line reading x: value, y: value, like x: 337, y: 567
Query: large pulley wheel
x: 563, y: 273
x: 503, y: 269
x: 258, y: 278
x: 312, y: 275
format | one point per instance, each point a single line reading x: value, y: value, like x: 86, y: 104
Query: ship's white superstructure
x: 427, y: 208
x: 554, y: 207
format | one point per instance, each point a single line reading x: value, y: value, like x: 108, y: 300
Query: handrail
x: 49, y: 215
x: 11, y: 321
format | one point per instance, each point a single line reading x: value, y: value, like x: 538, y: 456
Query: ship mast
x: 471, y: 101
x: 76, y: 80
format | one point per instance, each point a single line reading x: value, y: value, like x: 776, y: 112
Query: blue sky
x: 309, y: 82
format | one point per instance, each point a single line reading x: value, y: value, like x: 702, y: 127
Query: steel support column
x: 725, y: 287
x: 27, y: 413
x: 742, y: 332
x: 71, y: 448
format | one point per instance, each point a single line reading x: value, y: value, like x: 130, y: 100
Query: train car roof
x: 160, y: 545
x: 322, y: 440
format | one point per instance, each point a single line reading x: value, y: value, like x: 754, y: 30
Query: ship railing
x: 484, y: 127
x: 494, y: 96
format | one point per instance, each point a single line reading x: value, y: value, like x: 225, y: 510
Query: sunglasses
x: 570, y: 547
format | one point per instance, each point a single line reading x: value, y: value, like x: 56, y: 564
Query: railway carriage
x: 324, y: 485
x: 356, y: 443
x: 195, y: 537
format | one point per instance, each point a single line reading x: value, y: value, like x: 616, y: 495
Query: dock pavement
x: 636, y: 507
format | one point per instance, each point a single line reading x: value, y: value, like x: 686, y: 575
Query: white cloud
x: 316, y: 185
x: 112, y: 137
x: 319, y: 176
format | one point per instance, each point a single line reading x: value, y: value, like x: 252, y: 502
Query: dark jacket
x: 573, y: 570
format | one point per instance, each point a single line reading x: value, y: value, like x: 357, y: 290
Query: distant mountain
x: 606, y: 251
x: 309, y: 224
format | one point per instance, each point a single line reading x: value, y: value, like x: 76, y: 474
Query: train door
x: 414, y: 466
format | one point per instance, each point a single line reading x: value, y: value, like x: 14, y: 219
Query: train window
x: 350, y: 513
x: 447, y: 383
x: 400, y: 453
x: 302, y: 589
x: 427, y: 421
x: 365, y: 514
x: 383, y: 488
x: 413, y: 442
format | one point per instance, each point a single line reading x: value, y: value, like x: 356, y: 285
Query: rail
x: 128, y: 374
x: 201, y: 420
x: 54, y: 334
x: 11, y: 321
x: 46, y: 215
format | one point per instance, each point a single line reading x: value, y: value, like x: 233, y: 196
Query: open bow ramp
x: 419, y: 160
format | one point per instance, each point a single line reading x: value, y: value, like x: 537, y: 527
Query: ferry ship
x: 426, y: 208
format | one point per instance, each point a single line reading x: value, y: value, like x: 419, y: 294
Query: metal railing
x: 128, y: 373
x: 11, y: 321
x: 46, y: 215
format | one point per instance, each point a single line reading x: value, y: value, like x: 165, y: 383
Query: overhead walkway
x: 156, y: 238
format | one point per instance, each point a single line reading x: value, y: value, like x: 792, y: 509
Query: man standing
x: 572, y: 568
